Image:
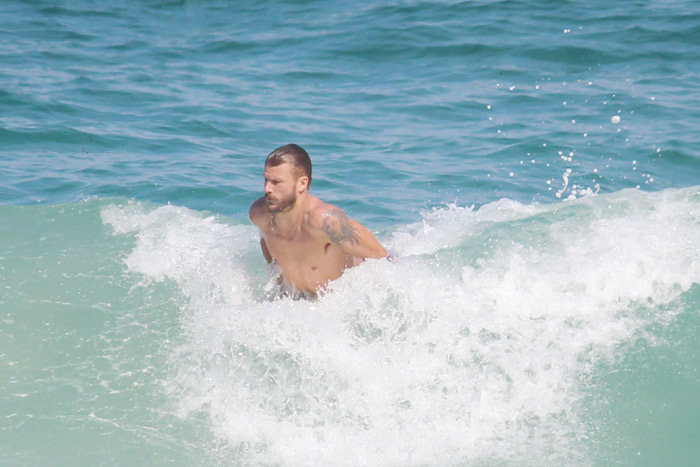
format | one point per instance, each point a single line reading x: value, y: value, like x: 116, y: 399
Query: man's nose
x: 267, y: 188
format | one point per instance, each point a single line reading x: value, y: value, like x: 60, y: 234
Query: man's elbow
x: 378, y: 252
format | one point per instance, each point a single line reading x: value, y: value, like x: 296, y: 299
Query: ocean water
x: 535, y: 166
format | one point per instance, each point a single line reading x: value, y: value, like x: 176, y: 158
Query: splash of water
x: 475, y: 346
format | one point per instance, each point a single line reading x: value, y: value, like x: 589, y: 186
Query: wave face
x: 484, y: 343
x: 512, y: 333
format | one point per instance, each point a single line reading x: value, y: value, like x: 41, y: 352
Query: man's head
x: 294, y: 155
x: 287, y: 176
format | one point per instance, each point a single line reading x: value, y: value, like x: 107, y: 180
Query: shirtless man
x: 312, y: 242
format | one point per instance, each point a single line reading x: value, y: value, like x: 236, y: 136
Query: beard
x: 280, y: 204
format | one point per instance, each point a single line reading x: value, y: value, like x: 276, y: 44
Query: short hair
x: 292, y: 154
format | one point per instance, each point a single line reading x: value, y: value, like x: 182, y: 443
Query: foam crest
x: 476, y: 346
x: 443, y: 228
x: 198, y: 252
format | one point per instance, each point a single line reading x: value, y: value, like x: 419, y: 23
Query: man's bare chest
x: 298, y: 246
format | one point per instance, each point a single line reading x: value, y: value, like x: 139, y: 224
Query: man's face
x: 280, y: 187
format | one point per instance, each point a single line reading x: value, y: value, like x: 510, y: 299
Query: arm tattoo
x: 338, y: 228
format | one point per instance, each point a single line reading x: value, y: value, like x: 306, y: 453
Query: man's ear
x: 302, y: 183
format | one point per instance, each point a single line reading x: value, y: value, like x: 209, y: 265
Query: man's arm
x: 265, y: 250
x: 354, y: 238
x: 254, y: 214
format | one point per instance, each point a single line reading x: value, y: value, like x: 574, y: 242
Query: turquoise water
x: 544, y: 309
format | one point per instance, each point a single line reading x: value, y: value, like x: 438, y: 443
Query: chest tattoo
x: 339, y: 229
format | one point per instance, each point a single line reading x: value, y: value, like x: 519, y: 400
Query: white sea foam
x: 198, y: 252
x: 475, y: 347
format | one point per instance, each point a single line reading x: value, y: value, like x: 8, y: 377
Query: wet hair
x: 292, y: 154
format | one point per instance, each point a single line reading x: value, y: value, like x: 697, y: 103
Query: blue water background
x: 402, y: 105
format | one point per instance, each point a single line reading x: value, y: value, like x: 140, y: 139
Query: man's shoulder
x: 257, y: 210
x: 317, y: 211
